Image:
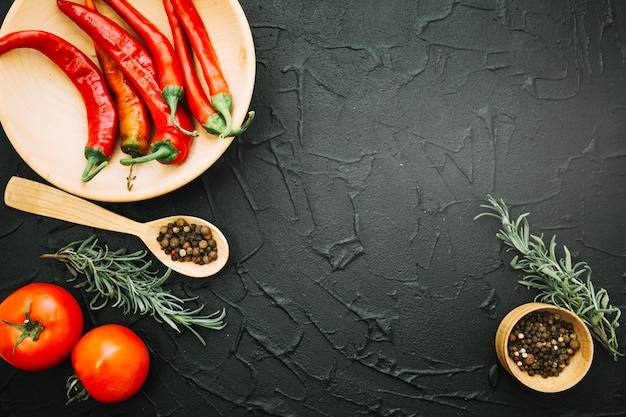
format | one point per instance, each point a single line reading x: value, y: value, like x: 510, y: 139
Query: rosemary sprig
x: 125, y: 279
x: 558, y: 281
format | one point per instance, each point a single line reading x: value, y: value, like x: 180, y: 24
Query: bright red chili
x: 197, y: 99
x: 169, y: 74
x: 198, y: 36
x: 198, y: 102
x: 85, y: 75
x: 169, y: 144
x: 133, y: 116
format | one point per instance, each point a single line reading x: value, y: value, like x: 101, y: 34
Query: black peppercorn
x: 188, y: 242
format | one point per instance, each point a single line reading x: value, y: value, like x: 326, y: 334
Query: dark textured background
x: 359, y: 285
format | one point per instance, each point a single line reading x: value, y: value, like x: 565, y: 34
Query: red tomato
x: 47, y: 319
x: 111, y: 362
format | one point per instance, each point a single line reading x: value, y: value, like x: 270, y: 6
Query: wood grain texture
x: 571, y: 374
x: 45, y: 119
x: 37, y: 198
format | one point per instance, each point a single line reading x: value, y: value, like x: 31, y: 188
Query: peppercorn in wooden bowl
x: 546, y: 348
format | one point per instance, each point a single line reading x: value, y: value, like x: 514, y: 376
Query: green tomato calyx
x: 30, y: 328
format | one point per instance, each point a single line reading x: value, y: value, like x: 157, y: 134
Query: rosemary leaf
x: 558, y: 281
x: 125, y: 280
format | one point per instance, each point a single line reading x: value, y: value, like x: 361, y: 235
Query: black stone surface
x: 359, y: 283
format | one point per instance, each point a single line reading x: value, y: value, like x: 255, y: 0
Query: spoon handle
x: 36, y: 198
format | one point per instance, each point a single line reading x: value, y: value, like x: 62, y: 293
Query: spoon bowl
x: 190, y: 269
x: 36, y: 198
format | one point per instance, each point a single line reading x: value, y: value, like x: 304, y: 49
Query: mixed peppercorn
x: 541, y: 343
x: 188, y: 242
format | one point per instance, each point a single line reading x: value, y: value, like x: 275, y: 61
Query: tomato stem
x: 30, y: 328
x: 75, y: 390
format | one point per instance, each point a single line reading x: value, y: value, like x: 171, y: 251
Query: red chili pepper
x: 133, y: 116
x: 169, y: 74
x: 198, y: 102
x: 169, y: 144
x: 221, y: 99
x: 85, y: 75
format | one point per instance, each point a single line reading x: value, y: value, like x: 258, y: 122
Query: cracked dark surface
x: 358, y: 284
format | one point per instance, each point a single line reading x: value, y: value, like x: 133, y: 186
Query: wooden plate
x: 44, y: 116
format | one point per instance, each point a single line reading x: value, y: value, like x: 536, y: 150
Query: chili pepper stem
x: 30, y: 328
x: 172, y: 95
x: 244, y: 126
x: 216, y: 125
x: 95, y: 159
x: 130, y: 178
x: 162, y: 151
x: 222, y: 103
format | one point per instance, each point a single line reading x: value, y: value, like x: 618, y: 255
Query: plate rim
x: 218, y: 149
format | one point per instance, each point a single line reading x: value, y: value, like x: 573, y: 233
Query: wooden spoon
x: 36, y: 198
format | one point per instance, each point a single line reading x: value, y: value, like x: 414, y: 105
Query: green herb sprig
x: 559, y: 281
x: 126, y: 281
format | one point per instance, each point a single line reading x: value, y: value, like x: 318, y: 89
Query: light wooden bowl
x: 571, y: 374
x: 44, y: 116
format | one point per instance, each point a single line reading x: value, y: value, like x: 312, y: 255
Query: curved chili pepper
x: 198, y: 102
x: 169, y: 74
x: 169, y: 144
x: 197, y: 99
x: 133, y: 117
x: 219, y: 92
x: 85, y: 75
